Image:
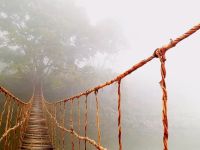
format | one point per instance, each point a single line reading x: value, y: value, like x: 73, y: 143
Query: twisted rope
x: 119, y: 116
x: 63, y: 121
x: 15, y: 127
x: 158, y: 53
x: 71, y: 131
x: 79, y: 125
x: 162, y: 58
x: 10, y: 102
x: 6, y: 92
x: 138, y: 65
x: 86, y: 117
x: 71, y: 123
x: 97, y: 118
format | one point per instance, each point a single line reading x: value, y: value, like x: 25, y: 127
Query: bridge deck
x: 36, y: 135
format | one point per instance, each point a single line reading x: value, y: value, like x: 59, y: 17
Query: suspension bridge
x: 41, y: 125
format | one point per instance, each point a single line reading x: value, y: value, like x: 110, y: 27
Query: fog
x: 142, y: 27
x: 147, y: 26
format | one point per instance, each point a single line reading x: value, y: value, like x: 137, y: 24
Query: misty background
x: 74, y: 45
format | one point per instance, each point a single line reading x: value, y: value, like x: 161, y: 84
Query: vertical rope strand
x: 97, y: 118
x: 71, y: 122
x: 20, y: 130
x: 86, y: 120
x: 51, y: 122
x: 59, y: 121
x: 119, y: 116
x: 79, y: 125
x: 54, y: 126
x: 63, y: 132
x: 15, y: 132
x: 10, y: 122
x: 7, y: 121
x: 161, y: 54
x: 4, y: 109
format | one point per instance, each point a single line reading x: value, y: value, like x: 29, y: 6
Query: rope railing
x: 14, y: 114
x: 55, y: 120
x: 51, y: 107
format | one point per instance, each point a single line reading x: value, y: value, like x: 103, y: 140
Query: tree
x: 42, y: 38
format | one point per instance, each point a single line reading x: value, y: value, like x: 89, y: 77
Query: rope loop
x: 160, y: 53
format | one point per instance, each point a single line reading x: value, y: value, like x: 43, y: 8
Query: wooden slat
x: 36, y: 135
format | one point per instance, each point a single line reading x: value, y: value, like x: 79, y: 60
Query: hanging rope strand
x: 79, y: 124
x: 71, y: 123
x: 4, y: 108
x: 63, y: 121
x: 119, y: 116
x: 86, y: 120
x: 97, y: 118
x: 161, y: 56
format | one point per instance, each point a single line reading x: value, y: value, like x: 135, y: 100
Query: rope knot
x: 160, y: 53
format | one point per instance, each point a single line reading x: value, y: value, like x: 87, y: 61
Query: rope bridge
x: 13, y: 119
x: 55, y: 112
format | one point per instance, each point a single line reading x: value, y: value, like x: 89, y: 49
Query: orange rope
x: 59, y: 120
x: 162, y: 58
x: 173, y: 43
x: 97, y: 118
x: 10, y: 102
x: 63, y: 121
x: 72, y: 132
x: 86, y: 117
x: 7, y: 122
x: 19, y: 121
x: 11, y: 95
x: 119, y: 116
x: 164, y: 48
x: 4, y: 108
x: 158, y: 53
x: 79, y: 125
x: 9, y: 119
x: 15, y: 132
x: 55, y: 133
x: 71, y: 123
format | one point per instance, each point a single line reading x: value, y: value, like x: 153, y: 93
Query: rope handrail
x: 158, y: 53
x: 5, y: 91
x: 14, y: 127
x: 163, y: 49
x: 13, y: 118
x: 11, y: 124
x: 71, y: 131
